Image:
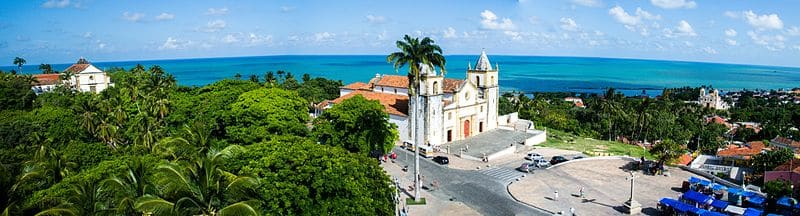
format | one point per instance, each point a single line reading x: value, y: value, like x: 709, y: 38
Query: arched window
x: 435, y: 87
x: 492, y: 79
x: 478, y: 80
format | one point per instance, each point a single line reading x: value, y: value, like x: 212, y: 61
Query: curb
x: 524, y: 203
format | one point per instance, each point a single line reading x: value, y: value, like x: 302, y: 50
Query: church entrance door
x: 466, y: 128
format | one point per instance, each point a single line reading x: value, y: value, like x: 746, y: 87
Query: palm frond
x: 239, y: 208
x: 155, y: 205
x: 57, y: 211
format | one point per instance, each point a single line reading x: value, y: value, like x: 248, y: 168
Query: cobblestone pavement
x: 605, y: 185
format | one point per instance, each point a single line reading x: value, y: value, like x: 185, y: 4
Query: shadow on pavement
x: 651, y: 211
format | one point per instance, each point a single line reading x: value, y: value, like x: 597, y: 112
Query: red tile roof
x: 357, y: 86
x: 745, y: 152
x: 790, y: 165
x: 451, y: 85
x: 394, y: 104
x: 322, y: 105
x: 718, y: 120
x: 786, y: 141
x: 393, y: 81
x: 685, y: 159
x: 46, y: 79
x: 77, y: 68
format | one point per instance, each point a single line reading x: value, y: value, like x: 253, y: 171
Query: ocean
x: 517, y: 73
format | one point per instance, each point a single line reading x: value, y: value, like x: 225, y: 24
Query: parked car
x: 533, y: 156
x: 441, y: 160
x: 578, y: 157
x: 557, y: 159
x: 540, y: 163
x: 526, y: 167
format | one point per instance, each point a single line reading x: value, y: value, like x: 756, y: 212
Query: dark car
x: 441, y: 160
x: 557, y: 159
x: 526, y: 167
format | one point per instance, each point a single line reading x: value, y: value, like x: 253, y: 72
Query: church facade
x: 448, y: 109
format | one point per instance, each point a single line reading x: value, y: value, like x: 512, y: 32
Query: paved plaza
x: 488, y: 142
x: 605, y: 183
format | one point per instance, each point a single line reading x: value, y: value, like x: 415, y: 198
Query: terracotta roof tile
x: 451, y: 85
x: 393, y: 81
x: 323, y: 104
x: 685, y: 159
x: 745, y: 152
x: 357, y: 86
x: 77, y: 68
x: 394, y: 104
x: 793, y: 165
x: 46, y: 79
x: 786, y: 141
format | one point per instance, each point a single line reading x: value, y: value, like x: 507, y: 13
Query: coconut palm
x: 46, y: 167
x: 129, y: 186
x: 83, y: 198
x: 19, y: 62
x: 415, y: 54
x: 46, y: 68
x: 201, y: 187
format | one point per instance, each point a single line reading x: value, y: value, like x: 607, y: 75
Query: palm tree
x: 415, y: 54
x: 19, y: 62
x: 46, y: 164
x: 201, y: 187
x: 45, y: 68
x: 129, y: 186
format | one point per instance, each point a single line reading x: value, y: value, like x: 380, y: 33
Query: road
x: 483, y: 191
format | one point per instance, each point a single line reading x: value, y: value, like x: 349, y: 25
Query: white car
x: 541, y: 163
x: 533, y: 156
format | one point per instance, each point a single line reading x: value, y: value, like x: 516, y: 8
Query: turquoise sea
x: 525, y: 73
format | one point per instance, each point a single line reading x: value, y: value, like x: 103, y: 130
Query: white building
x: 88, y: 78
x: 449, y: 109
x: 711, y: 99
x: 45, y: 82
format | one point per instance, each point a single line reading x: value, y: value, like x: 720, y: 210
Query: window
x: 466, y: 96
x: 381, y: 89
x: 93, y: 89
x: 449, y: 115
x: 91, y: 77
x: 480, y: 127
x: 492, y: 79
x: 435, y: 87
x: 478, y: 80
x: 395, y: 91
x: 449, y: 135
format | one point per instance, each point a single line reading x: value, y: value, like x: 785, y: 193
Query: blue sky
x: 60, y: 31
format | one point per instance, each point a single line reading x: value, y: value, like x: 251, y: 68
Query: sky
x: 740, y: 32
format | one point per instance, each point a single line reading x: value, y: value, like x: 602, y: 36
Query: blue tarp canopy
x: 752, y: 212
x: 696, y: 197
x: 694, y: 180
x: 786, y: 201
x: 748, y: 194
x: 757, y: 200
x: 678, y: 206
x: 705, y: 182
x: 797, y: 206
x: 734, y: 191
x: 719, y: 204
x: 716, y: 186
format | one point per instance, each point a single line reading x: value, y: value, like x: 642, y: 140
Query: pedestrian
x: 555, y: 195
x: 582, y: 192
x: 572, y: 211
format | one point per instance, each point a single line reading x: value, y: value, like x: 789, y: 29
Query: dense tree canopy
x: 259, y: 114
x: 358, y: 125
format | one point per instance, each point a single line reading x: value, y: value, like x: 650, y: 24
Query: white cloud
x: 230, y: 38
x: 793, y: 31
x: 286, y: 8
x: 55, y: 4
x: 588, y: 3
x: 214, y: 26
x: 376, y: 19
x: 450, y: 32
x: 217, y: 11
x: 490, y: 21
x: 88, y: 35
x: 731, y: 14
x: 674, y: 4
x: 101, y: 46
x: 514, y: 35
x: 684, y: 28
x: 730, y: 33
x: 165, y: 16
x: 797, y: 47
x: 133, y: 17
x: 568, y: 24
x: 761, y: 22
x: 710, y: 50
x: 324, y: 36
x: 633, y: 22
x: 173, y: 44
x: 255, y: 39
x: 731, y: 42
x: 771, y: 42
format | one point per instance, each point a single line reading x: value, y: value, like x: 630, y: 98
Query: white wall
x: 402, y: 126
x: 390, y: 90
x: 343, y: 91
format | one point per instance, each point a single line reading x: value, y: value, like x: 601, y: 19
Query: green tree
x: 290, y: 83
x: 667, y: 151
x: 254, y: 78
x: 46, y: 68
x: 19, y: 62
x: 358, y: 125
x: 129, y: 185
x: 319, y: 89
x: 769, y: 160
x: 415, y: 54
x: 299, y: 176
x: 201, y: 187
x: 262, y: 113
x: 16, y: 92
x: 777, y: 188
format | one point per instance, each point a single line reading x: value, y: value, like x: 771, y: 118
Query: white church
x: 85, y: 78
x: 451, y: 109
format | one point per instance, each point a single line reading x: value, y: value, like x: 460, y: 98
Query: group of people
x: 651, y: 168
x: 581, y: 194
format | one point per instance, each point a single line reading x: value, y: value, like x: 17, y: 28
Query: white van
x: 408, y: 145
x: 426, y: 151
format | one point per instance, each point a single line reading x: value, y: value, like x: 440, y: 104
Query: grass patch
x: 410, y: 201
x: 592, y: 147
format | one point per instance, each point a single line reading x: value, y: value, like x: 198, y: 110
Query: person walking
x: 581, y: 192
x: 572, y: 211
x: 555, y: 195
